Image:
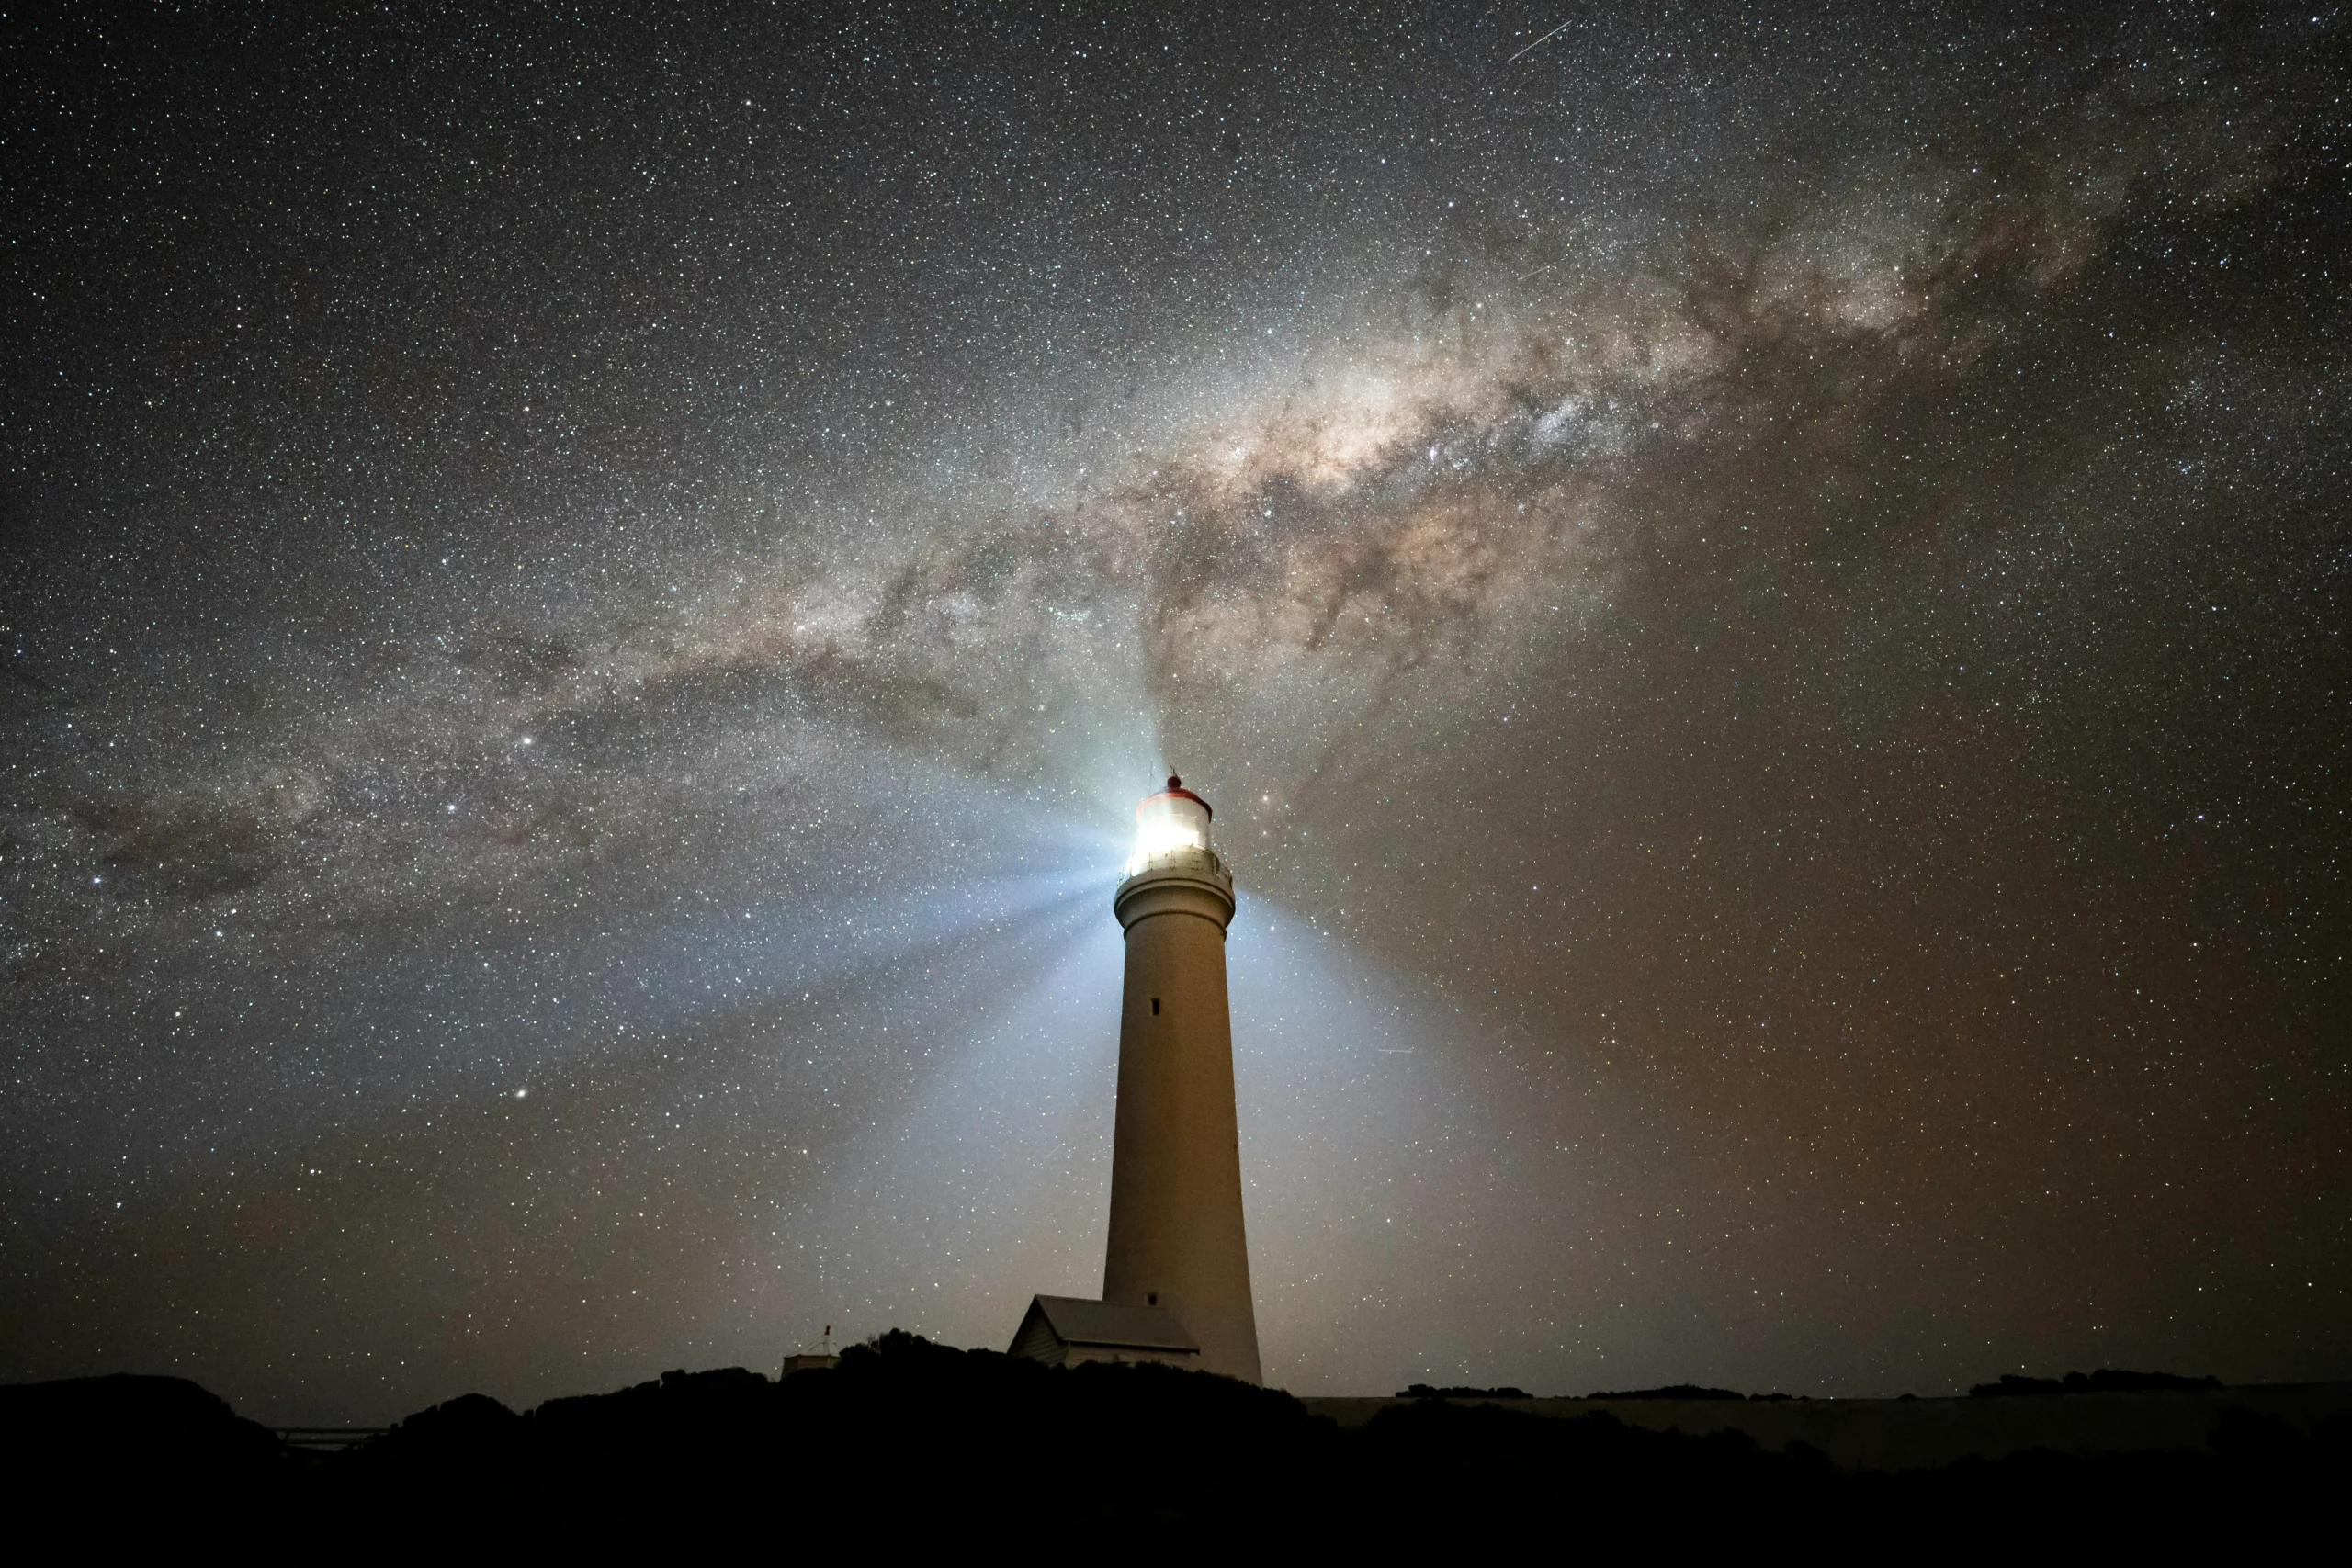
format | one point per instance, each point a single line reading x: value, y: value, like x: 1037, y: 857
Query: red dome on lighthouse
x: 1175, y: 791
x: 1171, y: 821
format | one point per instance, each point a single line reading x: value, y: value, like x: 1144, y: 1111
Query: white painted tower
x: 1176, y: 1232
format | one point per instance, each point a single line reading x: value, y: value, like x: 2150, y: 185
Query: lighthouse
x: 1176, y: 1277
x: 1176, y: 1235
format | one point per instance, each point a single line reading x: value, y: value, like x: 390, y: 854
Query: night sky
x: 1760, y: 592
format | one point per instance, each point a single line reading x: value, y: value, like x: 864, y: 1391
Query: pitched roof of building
x: 1077, y: 1321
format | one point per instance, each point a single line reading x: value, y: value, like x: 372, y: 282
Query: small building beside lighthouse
x: 1064, y: 1331
x: 1176, y: 1272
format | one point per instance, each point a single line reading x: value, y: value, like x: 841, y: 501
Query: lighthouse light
x: 1158, y: 838
x: 1174, y: 819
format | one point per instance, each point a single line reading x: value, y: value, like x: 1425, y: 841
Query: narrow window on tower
x: 1155, y: 1006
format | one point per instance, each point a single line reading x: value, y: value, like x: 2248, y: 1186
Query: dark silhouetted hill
x: 909, y: 1446
x: 905, y: 1435
x: 1423, y: 1391
x: 1671, y: 1391
x: 2107, y: 1379
x: 164, y: 1440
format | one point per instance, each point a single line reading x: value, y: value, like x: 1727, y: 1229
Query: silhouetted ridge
x: 1671, y: 1391
x: 901, y: 1430
x: 2107, y: 1379
x: 908, y: 1445
x: 150, y: 1434
x: 469, y: 1430
x: 1423, y: 1391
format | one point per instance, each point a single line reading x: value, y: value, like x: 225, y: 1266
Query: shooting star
x: 1547, y: 38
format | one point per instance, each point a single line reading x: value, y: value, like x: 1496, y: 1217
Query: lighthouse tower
x: 1176, y: 1235
x: 1176, y: 1283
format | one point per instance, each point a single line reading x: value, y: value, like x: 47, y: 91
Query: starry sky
x: 585, y: 595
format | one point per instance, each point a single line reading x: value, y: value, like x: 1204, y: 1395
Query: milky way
x: 1759, y: 593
